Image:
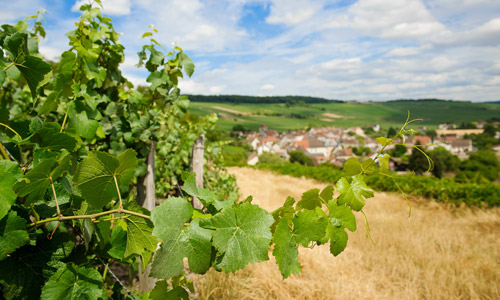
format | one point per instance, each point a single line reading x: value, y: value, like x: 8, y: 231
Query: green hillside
x: 300, y: 115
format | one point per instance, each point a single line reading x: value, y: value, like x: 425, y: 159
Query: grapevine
x: 74, y: 136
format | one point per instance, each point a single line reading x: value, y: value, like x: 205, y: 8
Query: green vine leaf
x: 352, y: 193
x: 308, y: 226
x: 241, y: 235
x: 310, y: 200
x: 205, y: 195
x: 179, y: 241
x: 36, y: 181
x: 285, y: 250
x: 186, y: 63
x: 287, y: 211
x: 139, y: 234
x: 36, y: 72
x: 94, y: 176
x: 352, y: 166
x: 341, y: 216
x: 338, y: 239
x: 10, y: 174
x: 13, y: 234
x: 72, y: 282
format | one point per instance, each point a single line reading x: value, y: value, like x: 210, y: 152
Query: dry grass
x: 435, y: 254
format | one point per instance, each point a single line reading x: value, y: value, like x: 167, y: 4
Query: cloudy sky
x: 345, y: 49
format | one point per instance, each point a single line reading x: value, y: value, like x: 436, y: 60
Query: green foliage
x: 271, y: 158
x: 480, y: 165
x: 301, y: 158
x: 234, y: 155
x: 418, y: 160
x: 73, y: 282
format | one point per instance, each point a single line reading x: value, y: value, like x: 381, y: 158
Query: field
x: 284, y: 117
x: 438, y: 253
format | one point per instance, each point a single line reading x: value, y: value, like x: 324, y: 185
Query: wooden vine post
x: 197, y: 166
x: 147, y: 199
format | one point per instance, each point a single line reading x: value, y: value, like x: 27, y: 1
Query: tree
x: 449, y: 161
x: 239, y: 127
x: 431, y: 133
x: 490, y: 130
x: 391, y: 133
x: 398, y: 151
x: 301, y: 158
x: 418, y: 161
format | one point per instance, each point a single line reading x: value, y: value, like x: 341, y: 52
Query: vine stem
x: 92, y: 216
x: 4, y: 153
x: 55, y: 196
x: 118, y: 190
x: 16, y: 133
x: 10, y: 65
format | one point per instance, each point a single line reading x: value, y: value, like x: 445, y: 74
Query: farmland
x: 283, y: 116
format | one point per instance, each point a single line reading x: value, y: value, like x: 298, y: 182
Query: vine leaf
x: 327, y: 193
x: 338, y: 239
x: 94, y: 176
x: 13, y: 234
x: 179, y: 241
x: 10, y: 174
x: 74, y: 282
x: 186, y: 63
x: 352, y: 166
x: 287, y: 212
x: 352, y: 193
x: 38, y: 179
x: 48, y: 136
x: 285, y: 250
x: 139, y: 234
x: 340, y: 217
x: 310, y: 200
x: 241, y: 234
x: 205, y: 195
x: 308, y: 226
x: 36, y: 72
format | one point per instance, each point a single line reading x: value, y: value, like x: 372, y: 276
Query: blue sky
x: 364, y: 50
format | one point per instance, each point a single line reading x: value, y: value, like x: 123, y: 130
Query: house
x: 339, y: 156
x: 422, y: 139
x: 253, y: 159
x: 461, y: 148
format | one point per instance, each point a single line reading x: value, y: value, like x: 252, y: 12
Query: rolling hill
x: 298, y: 113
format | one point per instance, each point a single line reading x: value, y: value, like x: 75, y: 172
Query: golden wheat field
x: 438, y: 253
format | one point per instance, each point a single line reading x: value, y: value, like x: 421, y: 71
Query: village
x: 336, y: 145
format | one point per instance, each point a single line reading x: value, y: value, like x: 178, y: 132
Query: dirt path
x: 435, y: 254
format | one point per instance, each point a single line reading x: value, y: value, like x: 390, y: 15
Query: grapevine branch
x: 60, y: 217
x: 92, y: 216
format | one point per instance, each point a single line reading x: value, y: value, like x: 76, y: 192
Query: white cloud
x: 17, y: 10
x: 404, y: 51
x: 110, y: 7
x: 292, y: 12
x: 389, y: 19
x: 267, y: 87
x: 217, y: 89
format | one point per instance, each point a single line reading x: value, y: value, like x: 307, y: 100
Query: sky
x: 336, y: 49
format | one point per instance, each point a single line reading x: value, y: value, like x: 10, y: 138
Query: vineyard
x: 76, y: 141
x: 447, y: 190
